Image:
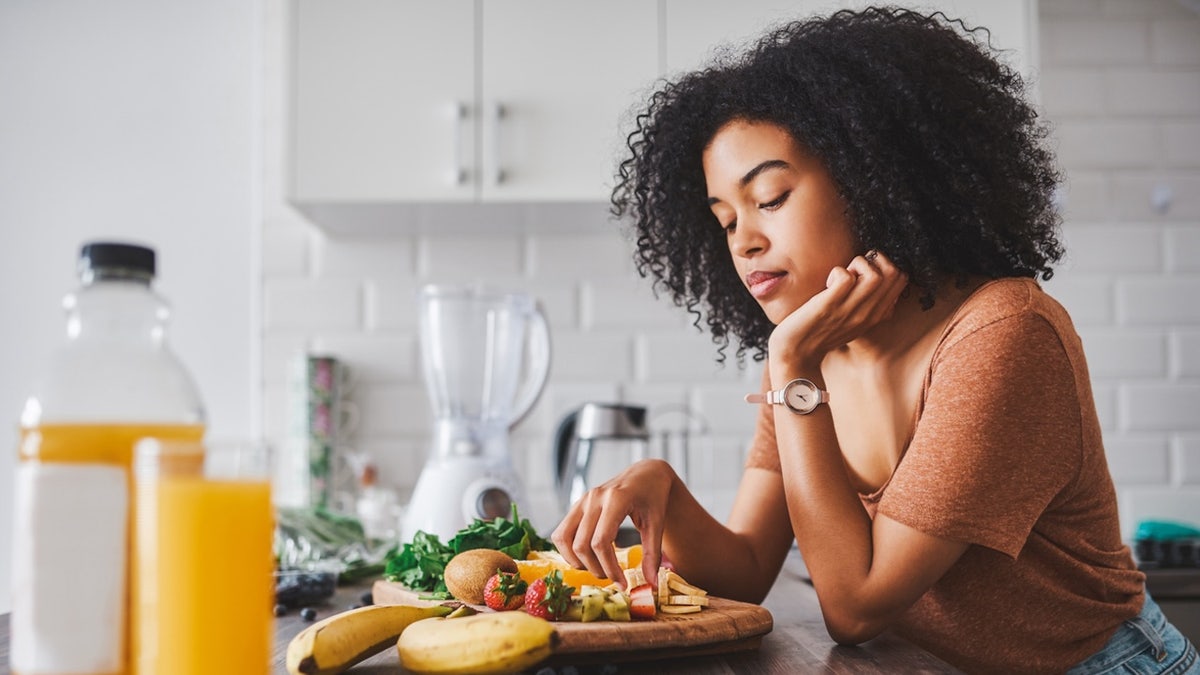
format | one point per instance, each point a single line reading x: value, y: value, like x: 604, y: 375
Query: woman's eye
x: 775, y: 203
x: 730, y: 228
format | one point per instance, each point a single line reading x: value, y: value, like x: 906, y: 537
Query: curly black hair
x: 926, y: 135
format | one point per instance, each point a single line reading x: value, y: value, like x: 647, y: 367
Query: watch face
x: 801, y: 396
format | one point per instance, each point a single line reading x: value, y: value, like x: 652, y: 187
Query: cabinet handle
x: 458, y: 172
x: 498, y: 113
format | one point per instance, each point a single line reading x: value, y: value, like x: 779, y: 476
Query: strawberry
x: 504, y: 591
x: 641, y: 602
x: 548, y: 598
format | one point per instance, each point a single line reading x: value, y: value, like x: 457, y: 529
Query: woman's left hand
x: 856, y: 298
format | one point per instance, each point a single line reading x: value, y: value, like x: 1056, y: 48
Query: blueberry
x: 281, y: 610
x: 366, y: 598
x: 308, y: 614
x: 355, y: 605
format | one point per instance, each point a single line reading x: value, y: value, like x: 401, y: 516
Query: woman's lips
x: 761, y: 284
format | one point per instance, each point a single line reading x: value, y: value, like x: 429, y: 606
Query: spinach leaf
x: 421, y: 564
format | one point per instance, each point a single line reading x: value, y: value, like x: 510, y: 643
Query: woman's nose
x: 747, y: 239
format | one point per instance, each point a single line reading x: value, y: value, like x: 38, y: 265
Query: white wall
x: 1121, y: 84
x: 139, y: 120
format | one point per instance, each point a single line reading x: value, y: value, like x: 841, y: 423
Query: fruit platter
x: 497, y: 598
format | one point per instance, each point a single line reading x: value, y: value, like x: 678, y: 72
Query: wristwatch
x: 800, y: 396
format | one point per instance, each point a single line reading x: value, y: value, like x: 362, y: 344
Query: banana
x: 484, y: 644
x: 334, y: 644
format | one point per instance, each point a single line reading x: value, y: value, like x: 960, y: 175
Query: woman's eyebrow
x: 753, y: 173
x: 769, y: 164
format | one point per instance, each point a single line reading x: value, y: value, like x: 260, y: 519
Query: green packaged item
x: 1164, y: 530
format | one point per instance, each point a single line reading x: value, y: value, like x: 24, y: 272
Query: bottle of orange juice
x: 112, y: 382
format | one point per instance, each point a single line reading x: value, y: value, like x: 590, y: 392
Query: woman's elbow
x: 849, y: 631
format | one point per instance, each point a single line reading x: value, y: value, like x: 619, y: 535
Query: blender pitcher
x: 485, y: 357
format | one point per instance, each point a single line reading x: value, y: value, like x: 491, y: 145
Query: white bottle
x: 112, y: 382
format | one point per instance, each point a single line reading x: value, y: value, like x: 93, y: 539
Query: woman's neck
x: 910, y: 324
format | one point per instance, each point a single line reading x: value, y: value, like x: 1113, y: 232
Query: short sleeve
x: 998, y: 437
x: 764, y: 449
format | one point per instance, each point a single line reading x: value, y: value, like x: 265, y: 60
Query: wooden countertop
x: 798, y: 643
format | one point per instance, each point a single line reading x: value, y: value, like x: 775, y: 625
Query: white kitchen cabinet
x: 403, y: 102
x: 381, y: 97
x: 464, y: 100
x: 695, y: 29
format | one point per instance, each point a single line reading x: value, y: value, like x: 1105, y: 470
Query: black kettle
x: 576, y: 438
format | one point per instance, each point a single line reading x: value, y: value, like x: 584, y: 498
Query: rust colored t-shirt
x: 1007, y: 456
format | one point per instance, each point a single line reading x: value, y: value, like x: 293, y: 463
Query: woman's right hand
x: 586, y: 535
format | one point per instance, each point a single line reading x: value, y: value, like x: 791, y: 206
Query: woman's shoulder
x: 1009, y: 300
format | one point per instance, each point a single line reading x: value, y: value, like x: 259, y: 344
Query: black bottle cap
x: 107, y: 255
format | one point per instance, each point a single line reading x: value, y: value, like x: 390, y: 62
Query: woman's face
x: 784, y: 221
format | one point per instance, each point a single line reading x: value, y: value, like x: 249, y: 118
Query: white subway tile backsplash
x: 1073, y: 91
x: 1176, y: 42
x: 1085, y: 197
x: 1093, y: 42
x: 1162, y: 407
x: 1187, y: 458
x: 1105, y: 397
x: 1185, y: 353
x: 393, y: 410
x: 1183, y: 248
x: 398, y: 460
x: 1068, y: 9
x: 573, y: 257
x: 290, y: 304
x: 627, y: 303
x: 559, y: 302
x: 1181, y: 142
x: 393, y: 305
x: 374, y: 358
x: 285, y: 250
x: 723, y: 407
x: 1151, y: 92
x: 1113, y: 249
x: 1149, y: 9
x: 278, y: 351
x: 1107, y: 144
x: 464, y: 259
x: 1132, y: 196
x: 1088, y: 298
x: 370, y: 258
x: 1123, y: 353
x: 1139, y: 460
x: 683, y: 356
x: 1158, y: 301
x: 592, y: 356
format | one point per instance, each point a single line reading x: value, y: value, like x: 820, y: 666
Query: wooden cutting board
x: 723, y: 626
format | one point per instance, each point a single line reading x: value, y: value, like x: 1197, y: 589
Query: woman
x: 864, y: 201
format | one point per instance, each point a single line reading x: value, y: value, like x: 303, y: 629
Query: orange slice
x: 532, y: 570
x: 581, y: 578
x: 630, y: 556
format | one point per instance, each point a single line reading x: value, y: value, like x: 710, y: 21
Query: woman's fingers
x: 651, y: 535
x: 564, y: 535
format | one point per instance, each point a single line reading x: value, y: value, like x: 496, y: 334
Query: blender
x: 485, y: 356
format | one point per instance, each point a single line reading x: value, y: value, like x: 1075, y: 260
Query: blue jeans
x: 1147, y: 643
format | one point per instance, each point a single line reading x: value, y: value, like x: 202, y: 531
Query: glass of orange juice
x: 202, y: 584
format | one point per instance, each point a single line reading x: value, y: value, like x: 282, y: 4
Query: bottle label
x: 69, y: 560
